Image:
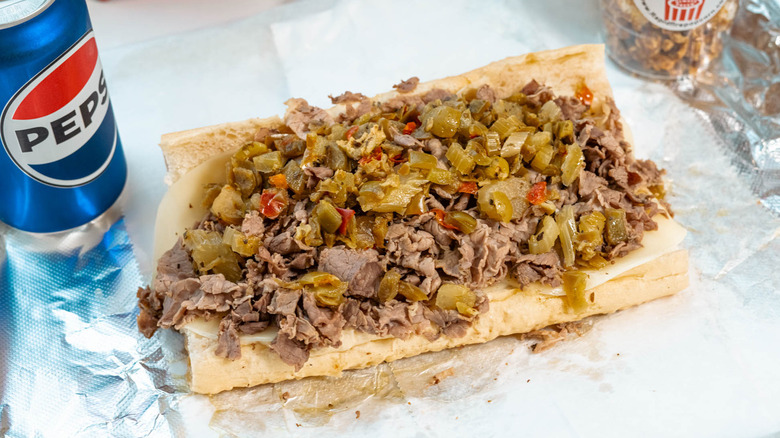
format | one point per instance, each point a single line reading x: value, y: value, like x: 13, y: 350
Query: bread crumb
x: 285, y: 395
x: 297, y: 425
x: 438, y: 377
x: 357, y: 414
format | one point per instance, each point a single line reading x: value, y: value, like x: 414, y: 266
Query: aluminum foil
x: 704, y: 361
x: 739, y: 97
x: 71, y: 360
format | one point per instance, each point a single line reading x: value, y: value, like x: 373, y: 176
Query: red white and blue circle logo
x: 59, y: 128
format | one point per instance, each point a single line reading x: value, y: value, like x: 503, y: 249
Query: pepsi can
x: 61, y: 161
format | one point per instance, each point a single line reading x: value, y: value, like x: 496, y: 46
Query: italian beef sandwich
x: 437, y: 215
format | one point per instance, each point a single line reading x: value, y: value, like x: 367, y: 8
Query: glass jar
x: 665, y: 39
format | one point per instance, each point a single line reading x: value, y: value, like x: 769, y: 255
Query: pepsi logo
x: 59, y: 127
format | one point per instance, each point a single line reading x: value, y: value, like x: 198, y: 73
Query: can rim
x: 27, y: 17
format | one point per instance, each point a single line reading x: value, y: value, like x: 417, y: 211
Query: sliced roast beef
x: 358, y: 315
x: 571, y: 107
x: 327, y: 321
x: 284, y: 302
x: 436, y: 148
x: 274, y: 263
x: 437, y: 94
x: 486, y: 93
x: 366, y: 280
x: 530, y: 268
x: 345, y: 97
x: 316, y: 174
x: 536, y: 93
x: 300, y: 115
x: 490, y: 254
x: 150, y: 305
x: 285, y: 244
x: 174, y: 265
x: 450, y: 322
x: 253, y: 224
x: 291, y: 352
x: 228, y: 343
x: 407, y: 85
x: 344, y: 263
x: 173, y: 312
x: 394, y: 320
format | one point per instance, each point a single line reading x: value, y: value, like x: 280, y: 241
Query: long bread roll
x: 197, y: 157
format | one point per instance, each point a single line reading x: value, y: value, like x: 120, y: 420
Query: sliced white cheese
x: 182, y: 206
x: 210, y: 329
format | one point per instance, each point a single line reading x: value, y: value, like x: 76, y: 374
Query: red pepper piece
x: 397, y: 159
x: 468, y: 187
x: 584, y: 94
x: 440, y: 219
x: 538, y: 193
x: 272, y: 203
x: 346, y: 215
x: 376, y: 154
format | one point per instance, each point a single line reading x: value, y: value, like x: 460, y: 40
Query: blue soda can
x: 61, y: 161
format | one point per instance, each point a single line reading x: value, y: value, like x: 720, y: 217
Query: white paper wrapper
x: 701, y: 363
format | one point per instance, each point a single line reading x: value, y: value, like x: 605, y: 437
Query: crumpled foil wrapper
x: 71, y: 360
x: 701, y: 363
x: 739, y: 97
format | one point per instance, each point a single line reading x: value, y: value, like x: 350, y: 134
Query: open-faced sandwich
x: 440, y: 214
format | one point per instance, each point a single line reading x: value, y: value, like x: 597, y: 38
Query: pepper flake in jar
x: 664, y: 39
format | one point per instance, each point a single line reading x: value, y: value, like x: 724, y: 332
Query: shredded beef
x: 284, y: 302
x: 394, y: 320
x: 488, y: 263
x: 300, y: 115
x: 291, y: 352
x: 285, y: 244
x: 436, y: 148
x: 346, y: 96
x: 436, y: 94
x: 345, y: 263
x: 228, y: 343
x: 147, y: 318
x: 537, y: 93
x: 328, y: 322
x: 486, y: 93
x: 571, y: 107
x: 358, y: 314
x: 366, y: 280
x: 418, y: 247
x: 408, y: 85
x: 316, y: 174
x: 531, y: 268
x: 252, y: 224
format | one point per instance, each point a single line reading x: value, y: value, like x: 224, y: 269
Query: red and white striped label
x: 679, y: 14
